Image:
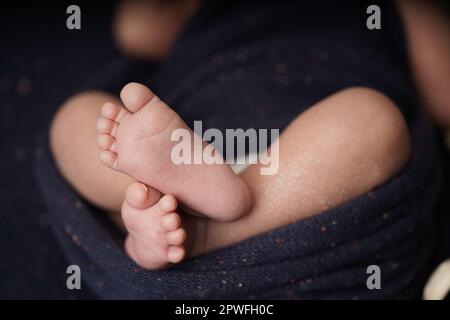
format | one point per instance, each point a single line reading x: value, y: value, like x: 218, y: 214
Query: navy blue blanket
x: 325, y: 256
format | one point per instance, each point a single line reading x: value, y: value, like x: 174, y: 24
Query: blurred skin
x: 148, y: 28
x: 428, y: 36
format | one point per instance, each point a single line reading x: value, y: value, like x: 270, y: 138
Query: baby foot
x: 136, y: 140
x: 156, y: 238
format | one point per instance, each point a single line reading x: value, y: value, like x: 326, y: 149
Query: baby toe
x: 113, y: 112
x: 106, y: 142
x: 141, y: 196
x: 171, y: 222
x: 106, y: 126
x: 135, y: 96
x: 168, y: 203
x: 176, y: 237
x: 176, y: 253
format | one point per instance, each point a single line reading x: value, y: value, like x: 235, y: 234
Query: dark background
x: 41, y: 64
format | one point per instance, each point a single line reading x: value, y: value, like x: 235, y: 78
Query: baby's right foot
x: 137, y: 140
x: 156, y: 238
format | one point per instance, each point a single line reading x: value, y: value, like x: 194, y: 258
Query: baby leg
x: 340, y: 148
x: 73, y: 143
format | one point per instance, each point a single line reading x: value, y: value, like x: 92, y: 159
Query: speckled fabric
x: 259, y: 64
x: 321, y: 257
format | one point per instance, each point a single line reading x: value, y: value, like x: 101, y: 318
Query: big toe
x: 135, y: 96
x: 140, y: 196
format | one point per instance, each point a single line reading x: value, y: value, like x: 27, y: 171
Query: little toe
x: 140, y: 196
x: 106, y: 126
x: 106, y: 142
x: 171, y: 221
x: 176, y: 237
x: 135, y: 96
x: 168, y: 203
x: 109, y: 158
x: 113, y: 112
x: 176, y: 253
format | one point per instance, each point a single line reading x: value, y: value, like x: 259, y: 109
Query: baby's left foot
x: 156, y: 238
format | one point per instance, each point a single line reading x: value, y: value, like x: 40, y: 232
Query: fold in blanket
x: 325, y: 256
